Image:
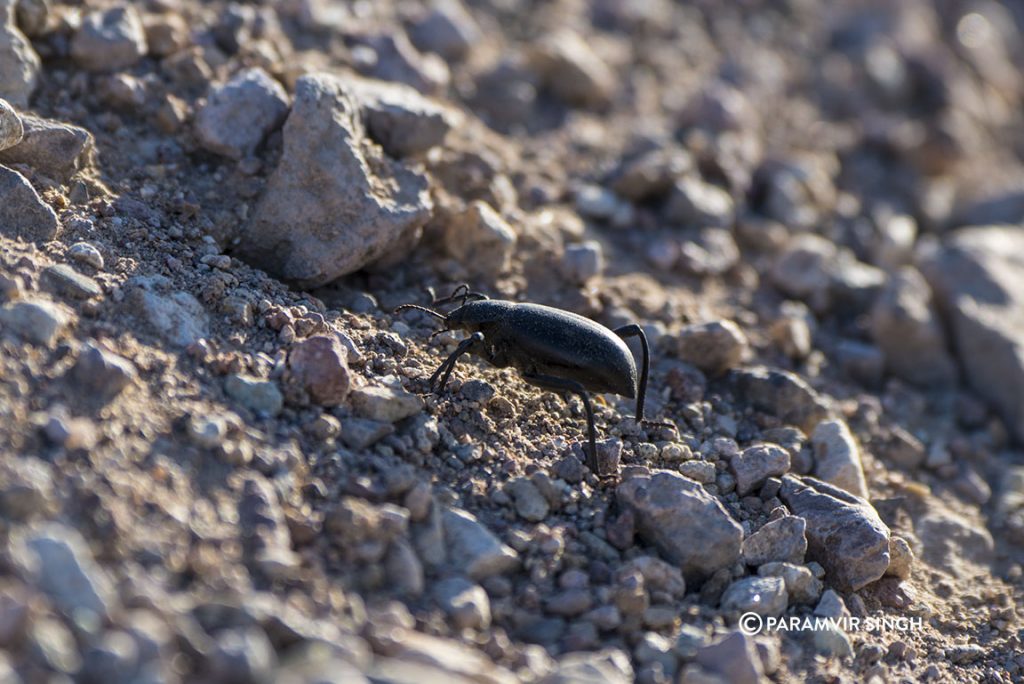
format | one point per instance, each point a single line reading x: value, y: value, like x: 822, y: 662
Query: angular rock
x: 319, y: 366
x: 37, y: 321
x: 901, y: 558
x: 734, y: 657
x: 906, y: 327
x: 837, y: 457
x: 266, y: 539
x: 757, y: 463
x: 658, y: 575
x: 844, y: 533
x: 686, y: 524
x: 452, y: 660
x: 582, y: 262
x: 448, y: 30
x: 23, y: 214
x: 333, y: 204
x: 570, y: 68
x: 359, y: 433
x: 86, y: 253
x: 650, y: 174
x: 480, y: 239
x: 695, y: 203
x: 242, y: 654
x: 57, y: 559
x: 714, y: 347
x: 110, y: 39
x: 19, y: 63
x: 101, y: 373
x: 400, y: 119
x: 176, y: 316
x: 403, y: 569
x: 398, y: 60
x: 765, y: 596
x: 803, y: 269
x: 610, y: 666
x: 530, y: 504
x: 465, y: 602
x: 978, y: 280
x: 63, y: 280
x: 240, y: 113
x: 11, y: 128
x: 801, y: 584
x: 385, y: 404
x: 778, y: 540
x: 256, y: 394
x: 782, y: 394
x: 27, y: 490
x: 862, y: 362
x: 56, y: 150
x: 473, y: 548
x: 831, y: 605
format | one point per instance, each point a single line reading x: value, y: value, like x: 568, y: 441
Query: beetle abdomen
x: 566, y: 345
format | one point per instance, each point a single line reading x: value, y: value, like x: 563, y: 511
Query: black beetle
x: 553, y: 349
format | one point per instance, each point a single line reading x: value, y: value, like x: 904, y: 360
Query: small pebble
x: 86, y: 253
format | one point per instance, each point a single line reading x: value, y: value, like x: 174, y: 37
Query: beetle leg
x: 556, y: 384
x: 634, y: 330
x: 449, y: 364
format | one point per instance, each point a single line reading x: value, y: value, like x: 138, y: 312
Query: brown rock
x: 319, y: 366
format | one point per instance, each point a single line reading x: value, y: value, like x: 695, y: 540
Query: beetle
x: 553, y: 349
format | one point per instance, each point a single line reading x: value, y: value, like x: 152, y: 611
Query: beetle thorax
x: 472, y: 316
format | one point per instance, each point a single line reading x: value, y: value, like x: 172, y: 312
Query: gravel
x: 249, y: 477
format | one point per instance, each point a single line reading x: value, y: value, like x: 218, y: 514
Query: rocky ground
x: 221, y: 458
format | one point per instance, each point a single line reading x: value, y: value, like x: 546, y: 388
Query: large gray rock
x: 56, y: 150
x: 906, y: 327
x: 687, y: 524
x: 19, y: 63
x: 335, y: 203
x: 23, y: 214
x: 239, y: 113
x: 978, y: 280
x: 844, y: 533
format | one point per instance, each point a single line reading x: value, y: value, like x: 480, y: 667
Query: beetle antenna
x: 424, y: 309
